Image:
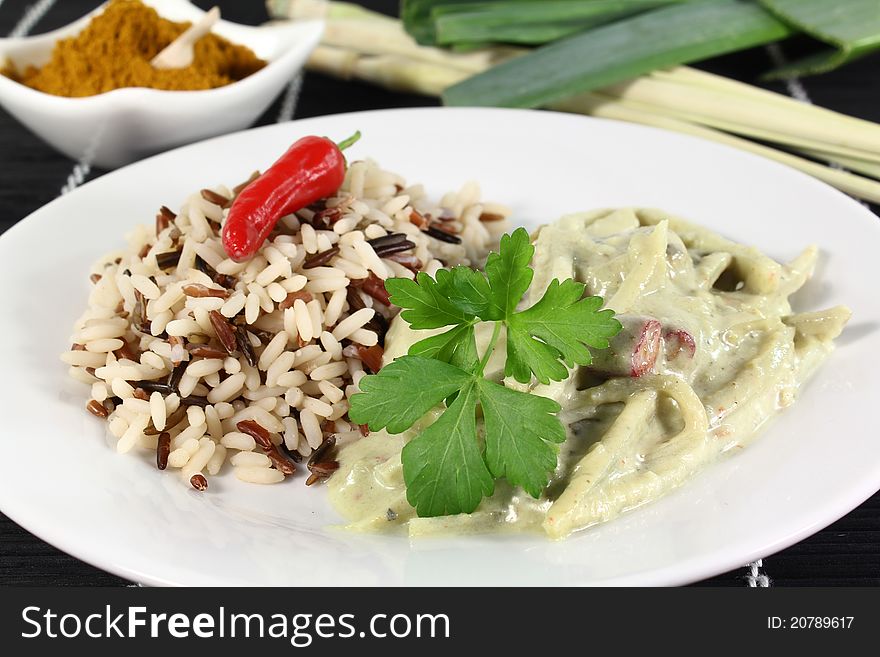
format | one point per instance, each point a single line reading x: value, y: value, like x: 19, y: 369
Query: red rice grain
x: 199, y: 482
x: 163, y: 449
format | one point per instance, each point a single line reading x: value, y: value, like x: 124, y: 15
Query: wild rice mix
x: 204, y: 360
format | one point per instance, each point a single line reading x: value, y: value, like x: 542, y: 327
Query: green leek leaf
x: 851, y: 27
x: 530, y: 21
x: 626, y: 49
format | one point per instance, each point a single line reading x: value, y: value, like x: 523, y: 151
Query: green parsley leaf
x: 509, y: 274
x: 456, y: 346
x: 565, y: 324
x: 404, y: 391
x: 467, y: 289
x: 521, y: 435
x: 443, y: 468
x: 425, y: 301
x: 527, y: 357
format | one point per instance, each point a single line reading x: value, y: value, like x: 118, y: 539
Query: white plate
x: 60, y: 480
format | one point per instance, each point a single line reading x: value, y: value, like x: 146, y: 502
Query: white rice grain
x: 332, y: 392
x: 303, y: 320
x: 228, y: 389
x: 273, y: 350
x: 364, y: 337
x: 279, y: 366
x: 259, y: 475
x: 238, y: 440
x: 329, y: 371
x: 103, y: 345
x: 132, y: 434
x: 309, y: 238
x: 252, y: 308
x: 352, y: 323
x: 216, y: 461
x: 200, y: 459
x: 311, y: 427
x: 251, y: 460
x: 234, y: 305
x: 204, y: 367
x: 158, y: 411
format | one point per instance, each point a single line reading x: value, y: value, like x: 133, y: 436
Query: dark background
x: 32, y: 174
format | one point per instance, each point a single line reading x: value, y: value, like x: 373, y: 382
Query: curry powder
x: 115, y: 49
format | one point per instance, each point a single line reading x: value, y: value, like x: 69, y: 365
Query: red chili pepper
x: 311, y: 169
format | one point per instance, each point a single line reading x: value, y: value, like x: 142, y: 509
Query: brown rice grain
x: 163, y: 449
x: 97, y: 409
x: 198, y: 481
x: 256, y: 430
x: 281, y: 462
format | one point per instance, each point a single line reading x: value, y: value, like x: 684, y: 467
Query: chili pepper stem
x: 345, y: 143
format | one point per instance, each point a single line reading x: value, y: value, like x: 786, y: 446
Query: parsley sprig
x: 450, y: 466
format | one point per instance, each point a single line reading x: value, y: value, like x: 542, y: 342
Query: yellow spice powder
x: 115, y: 50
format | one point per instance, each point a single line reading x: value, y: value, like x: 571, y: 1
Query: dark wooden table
x: 32, y: 174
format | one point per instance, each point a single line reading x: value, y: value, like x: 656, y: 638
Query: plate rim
x: 681, y: 572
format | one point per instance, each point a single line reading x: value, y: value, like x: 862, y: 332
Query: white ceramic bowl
x: 124, y: 125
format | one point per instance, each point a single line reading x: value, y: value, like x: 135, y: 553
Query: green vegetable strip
x: 531, y: 22
x: 458, y: 30
x: 419, y: 22
x: 852, y: 27
x: 620, y: 51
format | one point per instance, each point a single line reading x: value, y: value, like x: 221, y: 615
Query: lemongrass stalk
x: 802, y: 126
x: 734, y: 89
x: 431, y: 80
x: 746, y: 116
x: 371, y: 33
x: 390, y: 71
x: 863, y: 167
x: 744, y: 129
x: 335, y: 62
x: 595, y: 105
x: 306, y: 9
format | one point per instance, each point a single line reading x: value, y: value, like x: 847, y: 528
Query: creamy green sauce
x: 709, y: 352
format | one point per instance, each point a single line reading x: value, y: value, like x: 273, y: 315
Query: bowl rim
x: 312, y: 28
